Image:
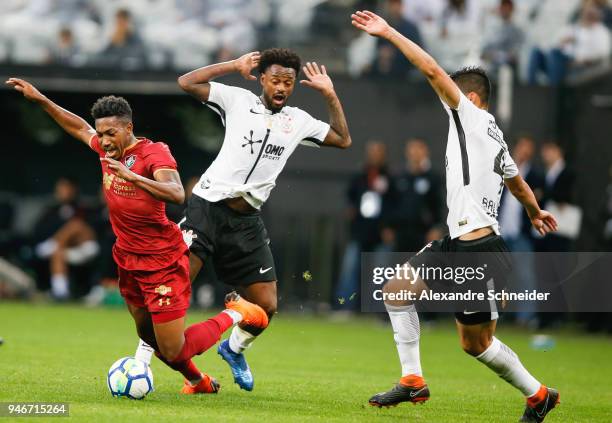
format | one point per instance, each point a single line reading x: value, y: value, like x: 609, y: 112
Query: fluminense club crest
x: 130, y: 160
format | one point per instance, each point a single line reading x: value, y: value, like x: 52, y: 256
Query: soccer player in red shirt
x: 138, y: 177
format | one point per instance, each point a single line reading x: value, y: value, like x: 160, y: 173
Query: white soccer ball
x: 130, y: 378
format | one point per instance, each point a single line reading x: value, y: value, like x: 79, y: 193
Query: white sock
x: 236, y: 316
x: 503, y: 361
x: 46, y: 248
x: 240, y: 339
x: 406, y: 332
x: 59, y: 286
x: 144, y: 352
x: 82, y: 253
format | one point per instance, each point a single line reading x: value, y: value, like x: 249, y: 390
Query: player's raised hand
x: 544, y: 222
x: 370, y: 23
x: 317, y: 78
x: 119, y: 169
x: 246, y: 63
x: 28, y: 90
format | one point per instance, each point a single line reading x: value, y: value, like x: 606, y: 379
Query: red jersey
x: 146, y: 239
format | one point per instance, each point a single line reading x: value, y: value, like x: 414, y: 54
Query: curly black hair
x: 111, y: 106
x: 279, y: 56
x: 473, y: 78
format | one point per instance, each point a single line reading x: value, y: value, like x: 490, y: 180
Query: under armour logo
x: 250, y: 142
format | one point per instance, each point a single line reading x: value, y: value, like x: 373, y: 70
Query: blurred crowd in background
x: 542, y: 41
x: 402, y: 212
x: 66, y: 252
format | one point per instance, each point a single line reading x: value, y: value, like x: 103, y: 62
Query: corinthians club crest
x: 286, y: 123
x: 129, y: 161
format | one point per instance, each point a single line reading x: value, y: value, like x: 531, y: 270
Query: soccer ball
x: 130, y: 378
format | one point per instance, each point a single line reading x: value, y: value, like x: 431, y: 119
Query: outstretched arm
x: 338, y: 135
x: 196, y: 82
x: 71, y: 123
x: 541, y: 220
x: 165, y: 186
x: 444, y: 86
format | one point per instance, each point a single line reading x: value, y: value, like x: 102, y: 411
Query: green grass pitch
x: 306, y: 369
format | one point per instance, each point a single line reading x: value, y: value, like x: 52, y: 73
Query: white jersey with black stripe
x: 256, y: 145
x: 477, y: 162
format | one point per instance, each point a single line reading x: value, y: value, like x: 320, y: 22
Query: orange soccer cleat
x: 252, y: 314
x: 208, y: 385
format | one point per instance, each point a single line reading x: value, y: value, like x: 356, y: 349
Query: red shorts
x: 164, y: 293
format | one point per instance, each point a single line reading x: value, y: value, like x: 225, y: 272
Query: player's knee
x: 470, y: 347
x: 474, y: 346
x: 389, y: 290
x: 58, y: 255
x: 170, y: 350
x: 269, y: 306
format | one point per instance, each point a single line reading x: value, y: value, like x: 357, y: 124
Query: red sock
x: 201, y: 336
x: 186, y: 368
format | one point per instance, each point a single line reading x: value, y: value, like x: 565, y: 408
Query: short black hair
x: 71, y: 179
x: 279, y: 56
x: 551, y: 142
x: 473, y: 78
x: 111, y: 106
x: 123, y: 13
x: 525, y: 134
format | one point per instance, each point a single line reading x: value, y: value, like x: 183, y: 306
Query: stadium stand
x: 182, y: 34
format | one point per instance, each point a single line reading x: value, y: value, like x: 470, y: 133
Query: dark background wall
x: 388, y: 111
x: 305, y: 212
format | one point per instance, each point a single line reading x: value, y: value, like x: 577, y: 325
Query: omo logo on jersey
x: 270, y: 151
x: 273, y: 152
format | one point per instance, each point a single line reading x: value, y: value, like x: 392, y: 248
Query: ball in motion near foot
x: 130, y: 378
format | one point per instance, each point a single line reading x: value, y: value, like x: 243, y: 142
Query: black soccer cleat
x: 541, y: 409
x: 400, y: 393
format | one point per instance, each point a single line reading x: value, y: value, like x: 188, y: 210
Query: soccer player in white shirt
x: 222, y: 220
x: 477, y: 166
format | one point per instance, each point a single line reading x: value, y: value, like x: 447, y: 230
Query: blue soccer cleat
x: 240, y: 369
